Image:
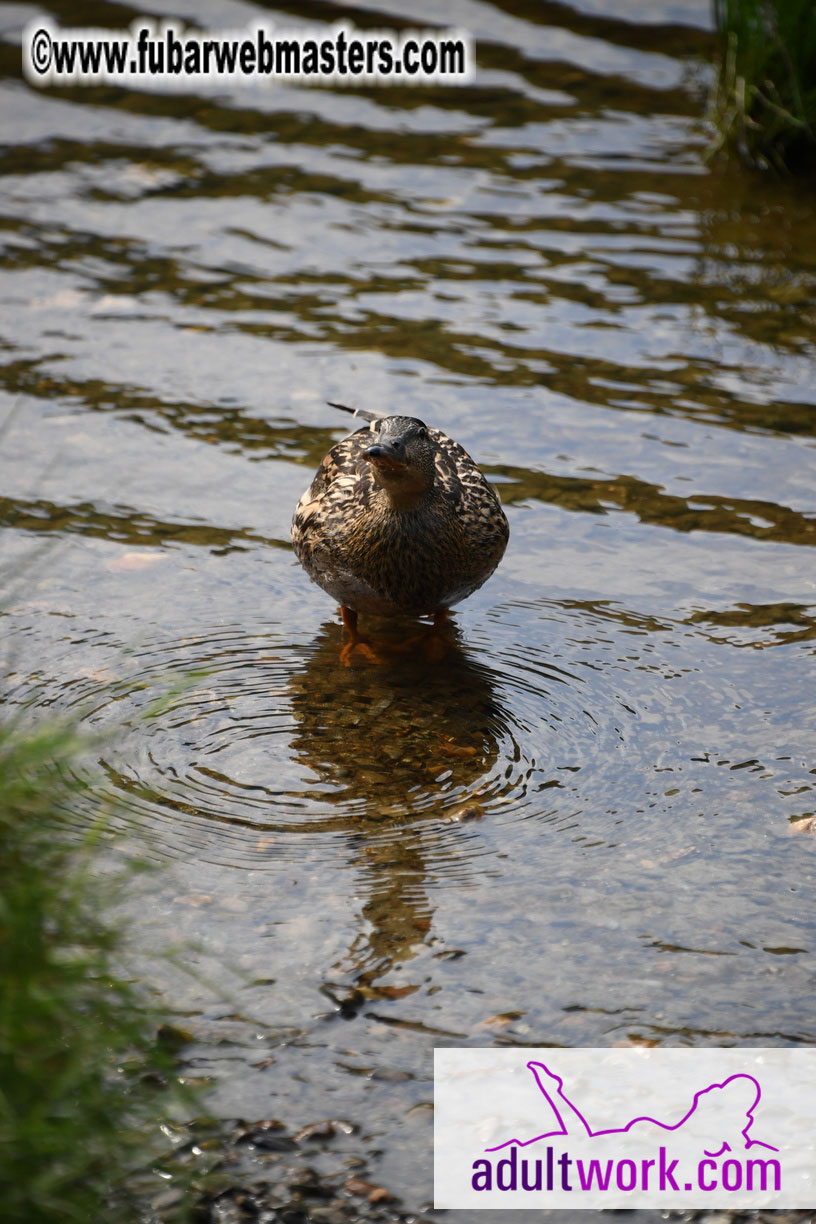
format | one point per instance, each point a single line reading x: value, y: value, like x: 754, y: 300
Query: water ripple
x: 243, y: 748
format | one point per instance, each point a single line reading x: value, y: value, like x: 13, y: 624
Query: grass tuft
x: 765, y: 103
x: 80, y: 1110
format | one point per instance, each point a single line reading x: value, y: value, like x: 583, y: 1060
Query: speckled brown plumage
x: 399, y: 519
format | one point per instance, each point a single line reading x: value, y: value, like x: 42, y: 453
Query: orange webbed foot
x: 432, y: 643
x: 355, y: 643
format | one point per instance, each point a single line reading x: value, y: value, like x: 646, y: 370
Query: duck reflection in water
x: 400, y: 754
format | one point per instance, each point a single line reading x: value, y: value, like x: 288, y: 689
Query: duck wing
x: 342, y: 474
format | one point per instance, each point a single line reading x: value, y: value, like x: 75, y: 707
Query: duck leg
x: 432, y: 641
x: 436, y: 643
x: 355, y: 642
x: 350, y: 621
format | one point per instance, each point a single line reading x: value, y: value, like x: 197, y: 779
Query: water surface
x: 585, y: 825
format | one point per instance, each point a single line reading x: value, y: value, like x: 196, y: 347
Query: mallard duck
x: 398, y: 521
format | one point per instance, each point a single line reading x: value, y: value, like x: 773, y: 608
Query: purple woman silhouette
x: 712, y: 1120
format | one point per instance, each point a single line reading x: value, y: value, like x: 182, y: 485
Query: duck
x: 398, y: 521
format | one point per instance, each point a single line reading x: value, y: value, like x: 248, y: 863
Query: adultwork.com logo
x: 715, y: 1112
x: 625, y: 1128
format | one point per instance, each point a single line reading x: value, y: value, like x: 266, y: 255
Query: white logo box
x: 625, y: 1128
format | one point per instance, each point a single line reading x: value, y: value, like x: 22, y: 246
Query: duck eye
x: 422, y: 433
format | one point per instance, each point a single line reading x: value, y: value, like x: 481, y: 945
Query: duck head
x: 402, y: 459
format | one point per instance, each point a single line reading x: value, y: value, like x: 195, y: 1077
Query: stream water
x: 586, y: 825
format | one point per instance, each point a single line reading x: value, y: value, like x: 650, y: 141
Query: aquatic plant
x: 84, y: 1083
x: 765, y: 99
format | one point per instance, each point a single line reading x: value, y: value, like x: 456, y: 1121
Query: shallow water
x: 579, y: 827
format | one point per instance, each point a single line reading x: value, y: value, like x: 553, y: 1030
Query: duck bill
x: 383, y: 457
